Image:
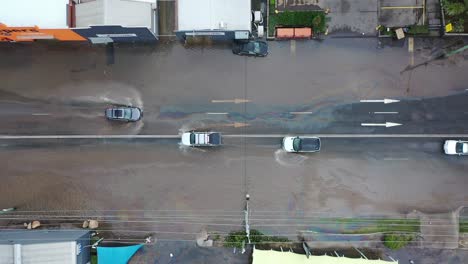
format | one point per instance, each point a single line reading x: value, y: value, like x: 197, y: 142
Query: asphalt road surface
x: 301, y: 87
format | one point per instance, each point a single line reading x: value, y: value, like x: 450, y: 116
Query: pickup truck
x: 301, y: 144
x: 201, y: 139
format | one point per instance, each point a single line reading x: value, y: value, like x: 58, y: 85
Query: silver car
x: 124, y: 113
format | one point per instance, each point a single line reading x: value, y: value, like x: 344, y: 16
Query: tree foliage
x: 455, y: 9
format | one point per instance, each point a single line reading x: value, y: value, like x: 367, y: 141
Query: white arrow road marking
x: 385, y: 101
x: 386, y: 124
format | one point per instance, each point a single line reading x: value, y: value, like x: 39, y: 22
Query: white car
x: 456, y: 147
x: 301, y: 144
x: 201, y: 139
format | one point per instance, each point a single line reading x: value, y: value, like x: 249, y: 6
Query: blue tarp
x: 116, y: 255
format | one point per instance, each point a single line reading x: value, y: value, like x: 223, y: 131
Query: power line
x: 343, y: 221
x: 253, y: 243
x: 254, y: 213
x: 333, y: 220
x: 229, y: 234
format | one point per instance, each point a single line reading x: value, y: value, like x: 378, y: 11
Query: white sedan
x: 456, y: 147
x: 301, y: 144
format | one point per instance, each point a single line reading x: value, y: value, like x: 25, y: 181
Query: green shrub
x: 235, y: 239
x: 239, y: 238
x: 459, y: 25
x: 419, y: 29
x: 314, y: 19
x: 454, y: 9
x: 272, y: 7
x: 397, y: 240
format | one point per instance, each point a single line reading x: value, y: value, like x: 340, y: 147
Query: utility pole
x: 246, y: 213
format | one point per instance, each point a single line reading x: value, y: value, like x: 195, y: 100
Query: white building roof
x: 210, y: 14
x: 130, y: 13
x: 27, y: 13
x: 41, y: 246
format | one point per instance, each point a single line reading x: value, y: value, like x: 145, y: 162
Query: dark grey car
x: 124, y: 113
x: 251, y: 48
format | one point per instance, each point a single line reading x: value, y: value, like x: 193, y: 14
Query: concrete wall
x: 90, y: 13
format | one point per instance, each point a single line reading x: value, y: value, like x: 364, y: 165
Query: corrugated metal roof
x: 50, y: 253
x: 40, y: 246
x: 40, y: 236
x: 6, y: 254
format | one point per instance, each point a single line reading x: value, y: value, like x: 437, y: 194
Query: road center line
x: 300, y: 113
x: 40, y: 114
x: 389, y: 113
x: 3, y: 137
x: 396, y: 159
x: 212, y: 113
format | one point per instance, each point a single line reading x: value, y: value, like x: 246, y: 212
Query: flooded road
x: 315, y: 87
x: 176, y: 86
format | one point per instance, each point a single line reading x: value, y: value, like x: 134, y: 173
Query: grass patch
x: 94, y: 259
x: 239, y: 238
x: 463, y: 226
x: 383, y: 225
x: 396, y: 241
x: 313, y: 19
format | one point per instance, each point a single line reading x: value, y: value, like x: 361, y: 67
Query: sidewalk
x: 439, y: 230
x: 187, y: 252
x: 356, y: 16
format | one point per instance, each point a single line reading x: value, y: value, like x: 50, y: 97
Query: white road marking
x: 234, y: 136
x: 236, y: 101
x: 213, y: 113
x: 389, y: 113
x: 293, y: 46
x: 300, y: 113
x: 385, y: 101
x: 40, y: 114
x: 396, y: 159
x: 386, y: 124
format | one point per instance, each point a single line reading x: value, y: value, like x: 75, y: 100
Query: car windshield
x: 256, y: 47
x: 192, y: 138
x: 297, y: 142
x: 459, y: 147
x: 253, y: 47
